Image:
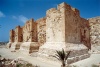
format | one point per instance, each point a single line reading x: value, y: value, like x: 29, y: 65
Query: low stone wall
x: 9, y: 45
x: 78, y: 58
x: 26, y: 47
x: 29, y: 47
x: 14, y: 45
x: 75, y: 55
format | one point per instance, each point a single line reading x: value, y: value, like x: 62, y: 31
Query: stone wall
x: 18, y: 34
x: 95, y: 30
x: 30, y: 31
x: 85, y: 33
x: 64, y: 24
x: 65, y: 29
x: 54, y: 26
x: 41, y: 30
x: 12, y: 33
x: 72, y: 25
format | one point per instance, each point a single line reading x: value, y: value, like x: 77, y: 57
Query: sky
x: 17, y: 12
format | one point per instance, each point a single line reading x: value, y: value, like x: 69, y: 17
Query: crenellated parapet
x: 63, y: 7
x: 75, y: 11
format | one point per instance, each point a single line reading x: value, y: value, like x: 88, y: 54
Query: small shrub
x: 28, y: 65
x: 62, y: 56
x: 95, y: 65
x: 19, y: 65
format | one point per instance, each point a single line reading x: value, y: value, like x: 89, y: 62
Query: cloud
x: 2, y: 14
x: 20, y: 18
x: 14, y: 17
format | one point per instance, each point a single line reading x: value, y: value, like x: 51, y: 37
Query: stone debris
x: 19, y: 62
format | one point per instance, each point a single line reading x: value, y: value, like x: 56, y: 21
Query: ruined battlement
x: 85, y: 22
x: 52, y: 10
x: 94, y: 20
x: 27, y: 22
x: 40, y: 20
x: 67, y: 7
x: 17, y: 27
x: 76, y: 11
x: 63, y: 8
x: 11, y: 30
x: 31, y: 20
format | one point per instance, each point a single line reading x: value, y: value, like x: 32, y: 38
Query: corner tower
x: 63, y: 27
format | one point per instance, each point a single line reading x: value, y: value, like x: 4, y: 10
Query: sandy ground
x: 94, y: 59
x: 34, y: 60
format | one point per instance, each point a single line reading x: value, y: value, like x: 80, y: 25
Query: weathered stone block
x: 9, y: 45
x: 71, y: 60
x: 29, y: 47
x: 15, y: 45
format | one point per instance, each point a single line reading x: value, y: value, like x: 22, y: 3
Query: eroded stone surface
x: 41, y: 30
x: 95, y: 30
x: 29, y: 47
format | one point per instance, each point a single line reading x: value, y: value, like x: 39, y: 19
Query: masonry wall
x: 18, y: 34
x: 41, y: 30
x: 55, y: 27
x: 33, y: 35
x: 30, y: 31
x: 71, y: 22
x: 12, y: 36
x: 64, y: 24
x: 85, y: 32
x: 95, y: 30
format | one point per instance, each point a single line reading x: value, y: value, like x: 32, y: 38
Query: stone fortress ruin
x: 60, y: 28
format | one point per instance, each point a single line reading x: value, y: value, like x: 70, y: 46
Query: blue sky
x: 16, y: 12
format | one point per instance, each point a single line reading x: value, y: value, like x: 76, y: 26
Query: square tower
x: 18, y: 34
x: 12, y: 33
x: 30, y: 31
